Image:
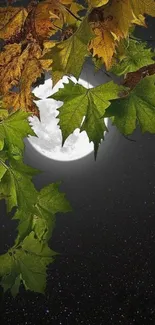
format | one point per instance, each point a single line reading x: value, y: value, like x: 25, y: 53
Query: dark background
x: 106, y: 273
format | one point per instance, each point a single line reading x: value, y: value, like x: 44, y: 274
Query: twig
x: 58, y: 27
x: 73, y: 14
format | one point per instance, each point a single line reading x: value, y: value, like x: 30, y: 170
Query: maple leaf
x: 20, y: 62
x: 113, y: 24
x: 15, y: 177
x: 12, y: 62
x: 74, y: 8
x: 50, y: 16
x: 130, y: 59
x: 103, y: 45
x: 91, y: 103
x: 64, y: 54
x: 20, y: 69
x: 40, y: 23
x: 26, y: 263
x: 21, y: 65
x: 141, y: 7
x: 41, y: 217
x: 136, y: 108
x: 97, y: 3
x: 11, y: 21
x: 34, y: 22
x: 13, y: 129
x: 15, y: 183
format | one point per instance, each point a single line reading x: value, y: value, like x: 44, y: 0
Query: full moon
x: 49, y: 137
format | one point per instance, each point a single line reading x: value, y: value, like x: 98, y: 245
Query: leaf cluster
x: 27, y: 260
x: 57, y: 36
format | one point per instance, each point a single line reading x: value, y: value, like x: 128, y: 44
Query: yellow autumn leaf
x: 12, y: 62
x: 65, y: 53
x: 11, y: 21
x: 50, y: 15
x: 117, y: 18
x: 66, y: 2
x: 97, y: 3
x: 21, y: 69
x: 45, y: 18
x: 67, y: 12
x: 20, y: 63
x: 74, y: 8
x: 46, y: 64
x: 46, y: 13
x: 13, y: 101
x: 141, y: 7
x: 103, y: 44
x: 140, y: 20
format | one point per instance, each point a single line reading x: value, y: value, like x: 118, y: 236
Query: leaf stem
x: 58, y: 27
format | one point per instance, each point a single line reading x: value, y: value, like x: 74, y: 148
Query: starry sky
x: 106, y: 271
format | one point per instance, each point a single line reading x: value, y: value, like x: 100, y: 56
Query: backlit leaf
x: 15, y: 183
x: 14, y: 129
x: 41, y: 216
x: 65, y: 53
x: 26, y: 263
x: 80, y: 102
x: 136, y: 108
x: 131, y: 60
x: 116, y: 21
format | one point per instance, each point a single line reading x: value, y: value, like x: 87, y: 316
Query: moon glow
x: 48, y: 141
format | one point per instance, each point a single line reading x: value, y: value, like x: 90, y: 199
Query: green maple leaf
x: 68, y: 56
x: 135, y: 56
x: 15, y: 183
x: 26, y: 263
x: 49, y: 202
x: 136, y: 108
x: 41, y: 217
x: 13, y: 129
x: 91, y: 103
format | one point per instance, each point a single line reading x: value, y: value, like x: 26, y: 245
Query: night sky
x: 106, y: 272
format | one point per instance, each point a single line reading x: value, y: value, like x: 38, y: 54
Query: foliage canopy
x: 57, y: 36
